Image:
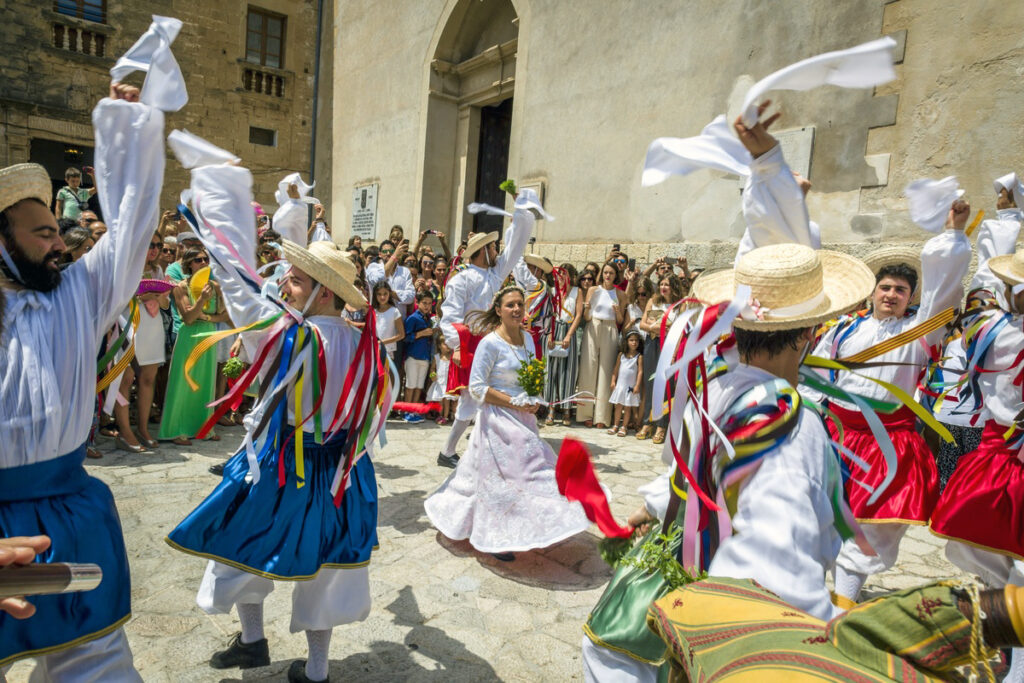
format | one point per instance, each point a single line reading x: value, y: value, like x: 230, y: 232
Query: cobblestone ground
x: 441, y: 612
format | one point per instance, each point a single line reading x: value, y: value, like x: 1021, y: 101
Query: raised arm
x: 945, y: 259
x: 996, y: 238
x: 518, y: 234
x: 523, y: 277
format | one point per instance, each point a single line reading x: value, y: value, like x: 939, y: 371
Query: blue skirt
x: 285, y: 532
x: 59, y: 499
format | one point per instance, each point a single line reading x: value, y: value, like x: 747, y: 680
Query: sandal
x: 622, y: 432
x: 182, y: 441
x: 644, y: 433
x: 659, y: 436
x: 91, y: 452
x: 566, y: 422
x: 611, y: 430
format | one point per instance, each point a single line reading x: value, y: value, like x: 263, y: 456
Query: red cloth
x: 983, y: 503
x: 539, y: 343
x: 913, y: 493
x: 458, y: 375
x: 418, y: 408
x: 577, y: 481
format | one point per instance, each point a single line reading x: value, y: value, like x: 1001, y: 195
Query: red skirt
x: 983, y: 503
x: 910, y: 497
x: 458, y: 375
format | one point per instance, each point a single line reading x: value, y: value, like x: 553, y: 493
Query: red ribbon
x: 577, y: 481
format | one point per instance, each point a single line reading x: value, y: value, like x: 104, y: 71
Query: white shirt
x: 601, y: 302
x: 473, y: 288
x: 386, y: 326
x: 568, y: 312
x: 400, y: 282
x: 49, y: 342
x: 290, y: 221
x: 496, y: 365
x: 995, y: 237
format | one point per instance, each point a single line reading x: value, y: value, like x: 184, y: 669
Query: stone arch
x: 470, y: 70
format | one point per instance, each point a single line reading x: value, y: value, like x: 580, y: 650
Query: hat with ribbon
x: 327, y: 264
x: 539, y: 261
x: 792, y: 286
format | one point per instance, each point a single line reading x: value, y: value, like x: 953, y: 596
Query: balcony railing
x: 262, y: 82
x: 79, y: 40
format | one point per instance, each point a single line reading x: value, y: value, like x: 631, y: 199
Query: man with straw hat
x: 298, y: 501
x: 51, y: 332
x: 933, y: 277
x: 981, y: 510
x: 471, y: 288
x: 764, y: 488
x: 531, y: 273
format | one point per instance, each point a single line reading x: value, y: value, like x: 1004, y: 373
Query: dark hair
x: 72, y: 172
x: 381, y: 284
x: 352, y: 242
x: 5, y: 220
x: 482, y: 322
x: 898, y: 271
x: 73, y: 239
x: 644, y: 285
x: 190, y: 255
x: 674, y: 283
x: 383, y: 242
x: 371, y: 253
x: 571, y: 272
x: 631, y: 332
x: 609, y: 264
x: 424, y: 294
x: 749, y: 342
x: 592, y: 265
x: 270, y: 235
x: 66, y: 224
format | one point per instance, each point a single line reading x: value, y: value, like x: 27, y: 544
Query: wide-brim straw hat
x: 479, y: 240
x: 792, y: 285
x: 24, y: 181
x: 1009, y: 267
x: 539, y: 261
x: 893, y: 256
x: 327, y: 264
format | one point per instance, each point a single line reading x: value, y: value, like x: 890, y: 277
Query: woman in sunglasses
x: 185, y: 408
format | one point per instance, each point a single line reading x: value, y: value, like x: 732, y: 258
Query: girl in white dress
x: 627, y: 382
x: 438, y: 390
x: 503, y: 496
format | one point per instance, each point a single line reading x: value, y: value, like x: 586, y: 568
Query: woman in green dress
x: 185, y: 410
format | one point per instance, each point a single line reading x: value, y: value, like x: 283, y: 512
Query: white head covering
x: 1011, y: 183
x: 929, y: 201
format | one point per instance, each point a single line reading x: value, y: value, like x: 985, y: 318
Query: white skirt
x: 503, y: 495
x: 149, y: 339
x: 622, y: 396
x: 439, y: 387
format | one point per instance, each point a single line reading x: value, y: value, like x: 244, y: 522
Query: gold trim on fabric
x: 979, y: 546
x: 600, y: 643
x: 893, y: 520
x: 267, y: 575
x: 64, y: 646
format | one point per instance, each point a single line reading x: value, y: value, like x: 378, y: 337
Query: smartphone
x: 533, y: 240
x: 616, y: 247
x: 46, y: 579
x: 88, y: 169
x: 632, y: 264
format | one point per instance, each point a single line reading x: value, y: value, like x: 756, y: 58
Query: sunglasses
x: 587, y: 277
x: 168, y: 251
x: 154, y: 245
x: 201, y: 259
x: 619, y: 260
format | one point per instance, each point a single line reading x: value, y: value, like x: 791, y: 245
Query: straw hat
x: 479, y: 240
x: 539, y: 261
x: 1009, y: 267
x: 892, y: 256
x: 792, y: 285
x: 327, y: 264
x: 24, y: 181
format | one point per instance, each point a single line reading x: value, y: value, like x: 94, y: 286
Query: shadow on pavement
x: 403, y: 512
x: 386, y: 471
x: 166, y: 453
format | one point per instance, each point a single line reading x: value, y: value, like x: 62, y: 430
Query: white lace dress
x: 503, y: 496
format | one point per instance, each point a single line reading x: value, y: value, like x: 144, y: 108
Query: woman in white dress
x: 503, y: 496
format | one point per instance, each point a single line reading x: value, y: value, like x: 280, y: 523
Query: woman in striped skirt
x: 562, y: 371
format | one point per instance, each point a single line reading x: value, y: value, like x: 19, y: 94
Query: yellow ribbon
x: 300, y: 464
x: 208, y: 343
x: 974, y: 224
x: 126, y: 358
x: 916, y: 332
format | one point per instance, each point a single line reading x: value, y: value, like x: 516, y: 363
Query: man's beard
x: 35, y: 275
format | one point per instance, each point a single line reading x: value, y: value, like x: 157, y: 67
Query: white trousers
x: 601, y: 665
x: 101, y: 660
x: 467, y: 407
x: 334, y: 597
x: 884, y: 538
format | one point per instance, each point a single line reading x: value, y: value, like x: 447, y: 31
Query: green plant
x: 509, y: 186
x: 658, y: 555
x: 531, y: 376
x: 233, y: 368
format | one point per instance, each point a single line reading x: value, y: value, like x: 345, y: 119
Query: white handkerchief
x: 477, y: 207
x: 929, y: 201
x: 192, y: 151
x: 281, y: 195
x: 528, y: 199
x: 1011, y: 183
x: 864, y: 66
x: 716, y: 148
x: 164, y: 87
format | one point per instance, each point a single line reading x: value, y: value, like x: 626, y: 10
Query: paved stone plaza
x: 441, y: 612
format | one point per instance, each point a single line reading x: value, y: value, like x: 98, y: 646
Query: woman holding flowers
x: 503, y: 496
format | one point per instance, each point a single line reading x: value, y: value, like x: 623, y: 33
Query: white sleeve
x: 945, y: 259
x: 773, y: 205
x: 517, y: 236
x: 451, y: 310
x: 523, y: 277
x: 484, y: 358
x: 320, y: 234
x: 374, y: 274
x: 290, y: 221
x: 129, y: 175
x: 401, y: 282
x: 995, y: 238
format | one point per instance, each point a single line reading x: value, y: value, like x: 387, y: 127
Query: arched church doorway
x: 468, y: 125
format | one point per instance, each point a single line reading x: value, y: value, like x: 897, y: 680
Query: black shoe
x: 297, y: 673
x: 504, y: 557
x: 447, y: 460
x: 242, y: 655
x: 217, y: 469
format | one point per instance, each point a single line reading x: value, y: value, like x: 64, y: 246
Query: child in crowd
x: 389, y: 319
x: 73, y: 199
x: 627, y: 380
x: 418, y: 334
x: 438, y: 390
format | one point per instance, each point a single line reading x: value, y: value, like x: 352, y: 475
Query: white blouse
x: 568, y: 312
x: 601, y: 303
x: 49, y: 342
x: 496, y: 365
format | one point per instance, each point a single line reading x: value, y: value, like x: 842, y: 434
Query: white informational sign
x: 797, y: 145
x: 364, y: 211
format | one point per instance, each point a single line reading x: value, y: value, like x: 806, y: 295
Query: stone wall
x: 48, y: 92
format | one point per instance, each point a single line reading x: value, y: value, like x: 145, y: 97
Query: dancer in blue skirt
x: 298, y: 501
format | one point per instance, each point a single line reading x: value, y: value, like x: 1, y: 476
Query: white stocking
x: 319, y: 643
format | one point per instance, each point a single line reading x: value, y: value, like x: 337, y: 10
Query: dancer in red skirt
x: 909, y: 498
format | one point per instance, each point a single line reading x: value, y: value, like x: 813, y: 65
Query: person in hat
x: 933, y: 277
x: 52, y: 327
x: 980, y: 510
x: 300, y: 480
x: 780, y: 516
x: 471, y: 287
x: 531, y: 273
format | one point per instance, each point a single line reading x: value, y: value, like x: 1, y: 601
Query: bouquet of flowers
x: 531, y: 376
